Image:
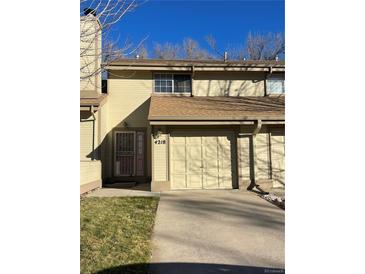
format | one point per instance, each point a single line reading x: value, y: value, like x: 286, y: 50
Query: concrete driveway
x: 217, y: 231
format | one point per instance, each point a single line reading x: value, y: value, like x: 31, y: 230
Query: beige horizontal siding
x: 129, y: 96
x: 127, y: 107
x: 160, y: 159
x: 262, y: 156
x: 243, y: 155
x: 86, y: 138
x: 277, y: 140
x: 229, y: 84
x: 90, y: 171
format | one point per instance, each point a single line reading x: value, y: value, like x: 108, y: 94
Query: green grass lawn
x: 116, y: 232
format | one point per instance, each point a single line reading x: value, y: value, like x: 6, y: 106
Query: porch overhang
x: 87, y: 101
x: 211, y: 123
x: 204, y: 110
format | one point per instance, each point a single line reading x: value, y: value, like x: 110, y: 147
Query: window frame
x: 173, y: 92
x: 275, y: 76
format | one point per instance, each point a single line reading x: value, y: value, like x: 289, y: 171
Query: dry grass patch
x: 116, y: 232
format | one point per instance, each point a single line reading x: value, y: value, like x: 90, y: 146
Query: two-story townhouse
x: 202, y: 124
x: 92, y: 115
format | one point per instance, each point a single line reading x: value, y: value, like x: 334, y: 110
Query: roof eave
x: 197, y: 118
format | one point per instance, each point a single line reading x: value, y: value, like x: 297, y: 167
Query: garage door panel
x: 225, y: 182
x: 193, y: 140
x: 194, y: 181
x: 193, y: 159
x: 178, y: 140
x: 178, y: 167
x: 179, y: 181
x: 193, y: 152
x: 224, y: 141
x: 210, y: 152
x: 194, y: 167
x: 208, y: 161
x: 178, y: 152
x: 209, y: 140
x: 211, y: 180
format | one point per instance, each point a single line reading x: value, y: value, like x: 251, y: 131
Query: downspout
x: 93, y: 145
x: 192, y: 79
x: 258, y: 125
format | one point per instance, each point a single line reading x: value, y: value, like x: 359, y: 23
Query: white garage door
x: 200, y: 161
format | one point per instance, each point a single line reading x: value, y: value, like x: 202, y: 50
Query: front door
x: 124, y: 153
x: 129, y: 159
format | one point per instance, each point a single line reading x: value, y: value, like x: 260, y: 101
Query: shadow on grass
x: 188, y: 268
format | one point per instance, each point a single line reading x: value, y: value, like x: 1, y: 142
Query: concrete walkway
x: 119, y: 192
x: 217, y: 231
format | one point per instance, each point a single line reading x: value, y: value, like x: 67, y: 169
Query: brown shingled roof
x: 216, y: 108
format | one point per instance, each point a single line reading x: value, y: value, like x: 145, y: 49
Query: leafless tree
x: 166, y: 51
x: 189, y: 49
x: 213, y: 45
x: 142, y: 52
x: 256, y: 47
x: 265, y: 46
x: 97, y: 50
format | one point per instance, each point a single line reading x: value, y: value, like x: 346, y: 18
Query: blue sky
x: 173, y: 20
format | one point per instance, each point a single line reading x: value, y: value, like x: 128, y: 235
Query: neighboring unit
x: 92, y: 114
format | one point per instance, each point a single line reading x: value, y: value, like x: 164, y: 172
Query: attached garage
x: 201, y: 160
x: 216, y: 143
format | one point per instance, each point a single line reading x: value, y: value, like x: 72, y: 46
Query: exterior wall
x: 86, y: 134
x: 90, y: 168
x: 229, y: 84
x: 127, y: 109
x: 262, y: 156
x: 277, y: 144
x: 160, y: 158
x: 90, y: 175
x: 244, y: 160
x: 90, y: 53
x: 270, y: 157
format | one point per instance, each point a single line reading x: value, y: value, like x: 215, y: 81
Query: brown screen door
x: 125, y: 154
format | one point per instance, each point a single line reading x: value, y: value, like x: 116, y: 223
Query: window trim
x: 173, y: 84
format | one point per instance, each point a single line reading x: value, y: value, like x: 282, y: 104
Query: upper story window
x: 275, y: 84
x: 172, y: 83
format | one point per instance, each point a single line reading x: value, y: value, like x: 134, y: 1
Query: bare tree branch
x: 265, y: 46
